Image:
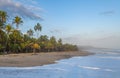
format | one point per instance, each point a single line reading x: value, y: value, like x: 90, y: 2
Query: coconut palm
x: 37, y: 28
x: 2, y: 39
x: 43, y: 40
x: 17, y: 20
x: 49, y: 46
x: 30, y: 32
x: 16, y: 39
x: 53, y: 42
x: 59, y: 45
x: 3, y: 18
x: 8, y: 29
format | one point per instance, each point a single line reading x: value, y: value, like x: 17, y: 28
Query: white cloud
x: 17, y: 8
x: 33, y: 2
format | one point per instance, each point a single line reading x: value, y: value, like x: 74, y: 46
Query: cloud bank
x: 16, y: 8
x: 103, y: 42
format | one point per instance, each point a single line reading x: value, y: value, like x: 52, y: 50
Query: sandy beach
x: 39, y: 59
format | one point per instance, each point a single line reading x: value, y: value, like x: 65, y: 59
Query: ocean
x: 104, y: 64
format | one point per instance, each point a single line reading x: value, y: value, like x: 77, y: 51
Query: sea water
x: 104, y: 64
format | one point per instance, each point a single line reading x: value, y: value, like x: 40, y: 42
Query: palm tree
x: 8, y: 29
x: 17, y: 20
x: 16, y: 39
x: 3, y: 18
x: 49, y: 46
x: 30, y: 32
x: 16, y: 34
x: 43, y: 40
x: 2, y: 39
x: 53, y: 42
x: 59, y: 45
x: 38, y: 27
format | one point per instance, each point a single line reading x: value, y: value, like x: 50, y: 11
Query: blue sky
x: 81, y: 22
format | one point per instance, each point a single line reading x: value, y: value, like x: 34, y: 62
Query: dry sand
x: 39, y: 59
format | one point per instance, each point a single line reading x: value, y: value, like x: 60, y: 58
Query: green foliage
x: 17, y: 20
x: 3, y: 18
x: 13, y: 40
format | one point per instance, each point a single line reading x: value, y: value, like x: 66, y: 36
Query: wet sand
x: 39, y: 59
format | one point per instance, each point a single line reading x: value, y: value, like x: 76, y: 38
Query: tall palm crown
x: 17, y: 20
x: 3, y: 18
x: 38, y: 27
x: 30, y: 32
x: 8, y: 28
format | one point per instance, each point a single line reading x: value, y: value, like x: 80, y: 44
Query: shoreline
x: 39, y: 59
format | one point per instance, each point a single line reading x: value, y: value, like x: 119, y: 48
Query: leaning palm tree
x: 37, y: 28
x: 17, y: 20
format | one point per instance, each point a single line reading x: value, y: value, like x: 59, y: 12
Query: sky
x: 81, y: 22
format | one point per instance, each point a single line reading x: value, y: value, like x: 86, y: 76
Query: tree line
x: 12, y: 40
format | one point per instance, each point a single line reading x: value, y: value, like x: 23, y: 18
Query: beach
x: 38, y: 59
x: 105, y: 63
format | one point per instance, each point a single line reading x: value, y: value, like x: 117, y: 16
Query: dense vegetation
x: 12, y: 40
